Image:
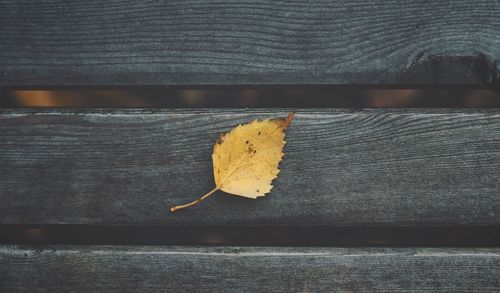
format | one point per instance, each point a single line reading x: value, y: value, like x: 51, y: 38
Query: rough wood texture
x: 378, y: 167
x: 233, y: 269
x: 248, y: 42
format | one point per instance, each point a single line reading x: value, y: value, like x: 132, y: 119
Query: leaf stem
x: 173, y: 209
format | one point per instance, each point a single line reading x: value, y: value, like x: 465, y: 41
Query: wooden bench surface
x: 93, y: 171
x: 342, y: 168
x: 240, y: 269
x: 207, y: 42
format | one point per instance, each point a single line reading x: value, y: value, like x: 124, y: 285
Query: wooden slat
x: 234, y: 269
x: 342, y: 168
x: 248, y: 42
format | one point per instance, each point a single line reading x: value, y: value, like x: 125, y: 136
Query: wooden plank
x: 236, y: 269
x: 53, y: 43
x: 342, y: 168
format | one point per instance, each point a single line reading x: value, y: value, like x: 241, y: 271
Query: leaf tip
x: 290, y: 116
x: 285, y: 122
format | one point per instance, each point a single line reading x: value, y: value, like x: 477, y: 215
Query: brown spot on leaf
x: 251, y: 149
x: 220, y: 139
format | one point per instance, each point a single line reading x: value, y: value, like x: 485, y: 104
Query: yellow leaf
x: 246, y: 159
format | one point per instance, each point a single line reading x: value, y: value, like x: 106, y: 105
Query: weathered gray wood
x: 377, y: 167
x: 234, y: 269
x: 248, y: 42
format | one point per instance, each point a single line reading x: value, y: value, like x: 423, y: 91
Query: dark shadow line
x: 326, y: 236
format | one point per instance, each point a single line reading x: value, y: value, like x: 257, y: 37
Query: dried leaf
x: 246, y: 159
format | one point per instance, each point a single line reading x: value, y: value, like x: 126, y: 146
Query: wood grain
x: 341, y: 168
x: 54, y: 43
x: 235, y: 269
